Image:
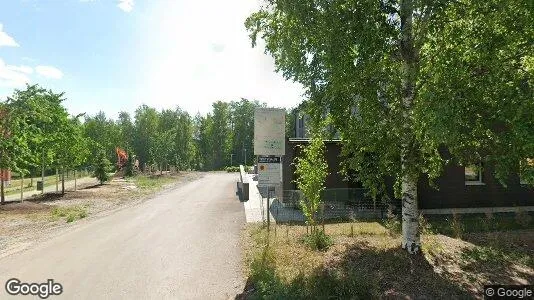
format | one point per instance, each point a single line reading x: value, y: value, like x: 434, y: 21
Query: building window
x: 473, y: 175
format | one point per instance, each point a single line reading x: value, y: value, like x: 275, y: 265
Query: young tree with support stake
x: 311, y: 170
x: 411, y: 85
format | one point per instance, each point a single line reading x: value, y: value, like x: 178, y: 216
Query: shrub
x: 424, y: 226
x: 232, y: 169
x: 70, y: 213
x: 71, y: 218
x: 129, y: 169
x: 102, y: 167
x: 392, y: 223
x: 318, y: 240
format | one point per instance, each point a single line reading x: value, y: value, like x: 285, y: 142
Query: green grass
x: 364, y: 266
x: 317, y: 240
x: 474, y: 223
x: 232, y: 169
x: 69, y: 213
x: 497, y: 255
x: 150, y: 183
x: 362, y: 259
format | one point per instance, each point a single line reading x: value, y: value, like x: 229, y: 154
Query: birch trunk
x: 410, y: 226
x: 410, y: 222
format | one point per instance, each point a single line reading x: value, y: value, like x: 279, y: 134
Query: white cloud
x: 126, y: 5
x: 208, y: 58
x: 49, y: 72
x: 6, y: 40
x: 13, y: 76
x: 22, y: 69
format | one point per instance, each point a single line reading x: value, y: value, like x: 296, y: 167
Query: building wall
x: 333, y: 151
x: 451, y: 192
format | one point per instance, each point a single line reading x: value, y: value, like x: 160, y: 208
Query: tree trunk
x: 43, y: 171
x: 2, y: 195
x: 410, y: 222
x: 410, y: 226
x: 62, y: 181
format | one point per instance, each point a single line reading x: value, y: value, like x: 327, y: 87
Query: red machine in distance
x: 122, y: 158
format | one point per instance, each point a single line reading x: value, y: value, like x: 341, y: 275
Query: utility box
x: 40, y: 185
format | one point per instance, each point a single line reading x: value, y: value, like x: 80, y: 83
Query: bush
x: 232, y: 169
x: 129, y: 169
x: 424, y: 226
x: 71, y: 214
x: 392, y: 223
x: 318, y: 240
x: 102, y: 167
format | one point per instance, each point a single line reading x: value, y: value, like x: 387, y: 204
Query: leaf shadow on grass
x: 502, y: 257
x: 359, y: 272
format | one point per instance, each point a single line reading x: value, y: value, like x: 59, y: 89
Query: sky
x: 114, y: 55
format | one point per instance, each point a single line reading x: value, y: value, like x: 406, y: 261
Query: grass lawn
x: 152, y: 182
x: 460, y: 256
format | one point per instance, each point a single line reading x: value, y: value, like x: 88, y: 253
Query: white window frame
x: 480, y: 180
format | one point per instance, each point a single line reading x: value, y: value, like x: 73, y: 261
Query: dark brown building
x: 458, y: 187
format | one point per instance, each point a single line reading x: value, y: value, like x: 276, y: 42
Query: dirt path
x: 183, y: 243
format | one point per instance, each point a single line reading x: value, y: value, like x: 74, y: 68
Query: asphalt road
x: 183, y: 244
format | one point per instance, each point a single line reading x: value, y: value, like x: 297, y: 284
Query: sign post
x: 269, y: 146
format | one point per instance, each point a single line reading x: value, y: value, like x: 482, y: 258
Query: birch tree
x: 404, y: 80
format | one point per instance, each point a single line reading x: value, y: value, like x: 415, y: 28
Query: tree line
x: 39, y: 136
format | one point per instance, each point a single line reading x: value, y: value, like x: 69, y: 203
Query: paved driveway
x: 183, y: 244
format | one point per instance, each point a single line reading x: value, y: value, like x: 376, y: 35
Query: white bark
x: 410, y: 224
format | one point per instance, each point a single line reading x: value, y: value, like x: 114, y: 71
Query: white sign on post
x: 269, y: 171
x: 269, y: 131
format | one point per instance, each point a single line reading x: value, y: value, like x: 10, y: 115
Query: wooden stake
x: 21, y: 187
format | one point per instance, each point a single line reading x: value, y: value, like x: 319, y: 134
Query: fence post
x: 268, y: 214
x: 21, y: 187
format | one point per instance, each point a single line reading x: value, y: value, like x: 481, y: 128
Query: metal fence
x: 338, y: 204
